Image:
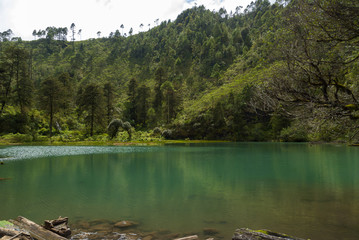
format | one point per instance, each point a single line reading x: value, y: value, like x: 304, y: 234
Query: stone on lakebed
x: 125, y: 224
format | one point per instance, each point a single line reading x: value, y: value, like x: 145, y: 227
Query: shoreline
x: 149, y: 143
x: 22, y: 228
x: 107, y: 143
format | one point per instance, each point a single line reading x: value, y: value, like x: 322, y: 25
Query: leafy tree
x: 317, y: 60
x: 6, y: 35
x: 113, y: 128
x: 115, y: 125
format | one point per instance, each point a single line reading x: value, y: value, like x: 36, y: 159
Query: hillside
x: 285, y: 71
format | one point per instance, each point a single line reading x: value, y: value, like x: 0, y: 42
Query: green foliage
x: 70, y: 136
x: 91, y: 105
x: 113, y: 127
x: 167, y: 133
x: 293, y: 134
x: 51, y: 98
x: 17, y: 137
x: 248, y: 76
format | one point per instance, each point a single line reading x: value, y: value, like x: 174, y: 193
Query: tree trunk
x: 35, y: 230
x: 51, y: 118
x: 92, y: 119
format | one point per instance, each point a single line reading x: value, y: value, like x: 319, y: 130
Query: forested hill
x: 284, y: 71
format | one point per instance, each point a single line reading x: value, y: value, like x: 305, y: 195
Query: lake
x: 309, y: 191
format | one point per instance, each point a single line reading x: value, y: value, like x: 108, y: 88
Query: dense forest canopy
x: 285, y: 71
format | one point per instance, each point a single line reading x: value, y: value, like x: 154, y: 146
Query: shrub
x: 17, y: 137
x: 293, y: 134
x: 167, y: 134
x: 157, y: 131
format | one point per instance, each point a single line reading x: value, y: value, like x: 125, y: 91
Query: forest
x: 287, y: 71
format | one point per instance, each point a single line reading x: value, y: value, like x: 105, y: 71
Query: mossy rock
x: 6, y: 224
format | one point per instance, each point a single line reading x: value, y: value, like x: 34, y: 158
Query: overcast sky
x: 23, y: 16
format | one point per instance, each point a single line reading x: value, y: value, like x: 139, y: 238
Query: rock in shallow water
x: 125, y: 224
x: 249, y: 234
x: 210, y: 231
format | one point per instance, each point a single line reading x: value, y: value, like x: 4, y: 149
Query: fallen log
x: 248, y: 234
x: 11, y: 234
x: 194, y: 237
x: 58, y: 226
x: 35, y: 230
x: 55, y: 222
x: 8, y: 232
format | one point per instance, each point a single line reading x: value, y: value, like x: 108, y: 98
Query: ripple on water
x: 29, y: 152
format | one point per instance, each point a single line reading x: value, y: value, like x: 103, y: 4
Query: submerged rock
x: 125, y: 224
x: 210, y: 231
x: 249, y: 234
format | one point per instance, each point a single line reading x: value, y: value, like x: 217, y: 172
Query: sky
x: 91, y: 16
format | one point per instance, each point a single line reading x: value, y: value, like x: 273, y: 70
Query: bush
x: 101, y: 137
x: 113, y: 127
x: 17, y: 137
x: 167, y: 134
x: 328, y: 131
x: 157, y: 131
x: 70, y: 136
x: 293, y: 134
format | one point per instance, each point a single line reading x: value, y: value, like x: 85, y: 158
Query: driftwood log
x: 248, y: 234
x: 7, y: 234
x: 35, y: 230
x: 194, y: 237
x: 58, y: 226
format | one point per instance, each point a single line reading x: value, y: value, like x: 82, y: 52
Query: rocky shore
x: 58, y: 229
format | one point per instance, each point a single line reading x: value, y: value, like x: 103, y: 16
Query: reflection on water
x: 303, y: 190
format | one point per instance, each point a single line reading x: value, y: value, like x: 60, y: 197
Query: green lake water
x: 309, y: 191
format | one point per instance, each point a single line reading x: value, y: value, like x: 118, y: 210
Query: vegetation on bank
x: 141, y: 138
x: 286, y: 71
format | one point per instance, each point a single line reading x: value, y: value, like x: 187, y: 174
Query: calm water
x: 311, y: 191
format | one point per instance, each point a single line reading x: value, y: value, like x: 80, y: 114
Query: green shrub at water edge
x: 293, y: 134
x: 17, y: 137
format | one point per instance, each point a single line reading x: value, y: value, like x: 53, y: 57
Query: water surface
x: 311, y: 191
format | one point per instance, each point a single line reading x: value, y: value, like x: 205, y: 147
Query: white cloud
x: 23, y: 16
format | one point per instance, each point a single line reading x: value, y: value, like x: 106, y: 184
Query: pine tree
x: 90, y: 104
x: 51, y: 98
